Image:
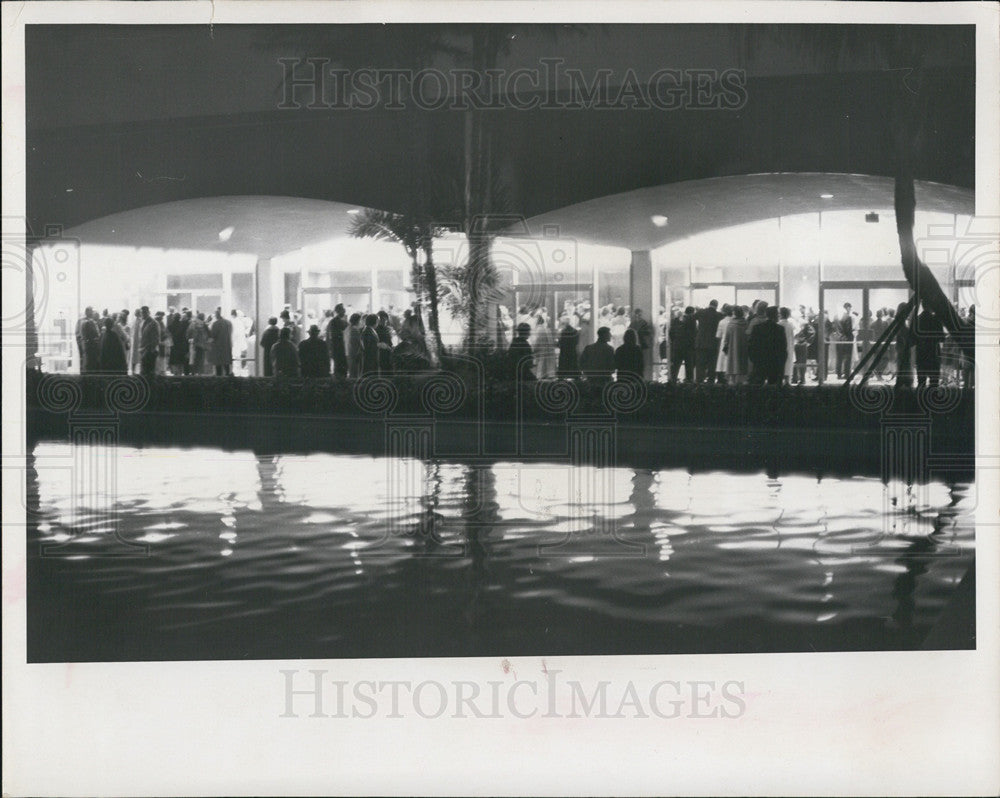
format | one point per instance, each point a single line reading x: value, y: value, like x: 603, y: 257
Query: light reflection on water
x: 334, y: 555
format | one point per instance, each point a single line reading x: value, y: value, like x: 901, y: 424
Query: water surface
x: 173, y: 553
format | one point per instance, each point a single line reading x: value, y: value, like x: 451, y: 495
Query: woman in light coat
x: 735, y: 346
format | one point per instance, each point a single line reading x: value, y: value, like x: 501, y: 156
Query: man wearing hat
x: 314, y: 356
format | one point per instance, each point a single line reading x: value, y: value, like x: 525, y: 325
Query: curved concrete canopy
x: 261, y: 226
x: 697, y: 206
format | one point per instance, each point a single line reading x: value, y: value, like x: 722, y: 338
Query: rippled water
x: 170, y: 553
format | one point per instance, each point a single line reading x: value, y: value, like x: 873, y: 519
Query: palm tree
x: 416, y: 232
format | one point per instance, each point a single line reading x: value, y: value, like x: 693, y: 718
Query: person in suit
x: 384, y: 333
x: 90, y: 335
x: 284, y: 355
x: 197, y: 335
x: 268, y: 339
x: 369, y: 346
x: 314, y: 355
x: 597, y: 360
x: 520, y: 358
x: 352, y: 344
x: 112, y: 360
x: 644, y: 339
x: 629, y: 357
x: 683, y: 333
x: 706, y: 345
x: 767, y: 350
x: 845, y: 346
x: 149, y: 343
x: 335, y: 339
x: 568, y: 366
x: 220, y: 351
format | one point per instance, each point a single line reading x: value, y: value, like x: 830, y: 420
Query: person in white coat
x: 720, y: 332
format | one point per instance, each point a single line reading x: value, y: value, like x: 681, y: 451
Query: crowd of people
x: 763, y: 343
x: 185, y: 342
x: 175, y: 342
x: 733, y: 344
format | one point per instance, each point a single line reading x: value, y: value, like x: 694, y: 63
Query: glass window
x: 175, y: 281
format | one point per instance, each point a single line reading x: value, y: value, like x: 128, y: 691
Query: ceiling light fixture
x: 658, y: 220
x: 826, y: 196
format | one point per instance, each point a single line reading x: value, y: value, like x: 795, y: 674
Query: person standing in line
x: 544, y: 348
x: 124, y: 332
x: 904, y: 343
x: 314, y: 355
x: 293, y: 330
x: 683, y: 333
x: 568, y: 366
x: 805, y: 339
x: 597, y: 361
x: 284, y: 355
x: 197, y: 335
x: 788, y: 327
x: 268, y: 339
x: 149, y: 343
x: 384, y: 333
x: 113, y: 360
x: 644, y: 338
x: 352, y: 344
x: 927, y: 336
x: 720, y: 337
x: 369, y: 346
x: 706, y: 343
x: 135, y: 353
x: 845, y: 344
x: 519, y: 355
x: 335, y: 340
x: 629, y: 357
x: 767, y: 349
x: 220, y: 351
x: 90, y: 333
x: 81, y: 351
x: 735, y: 347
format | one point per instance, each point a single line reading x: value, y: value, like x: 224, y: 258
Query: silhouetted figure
x: 268, y: 339
x: 569, y: 362
x: 628, y: 357
x: 644, y: 338
x: 845, y: 346
x: 149, y: 343
x: 335, y: 339
x: 220, y: 349
x: 112, y: 360
x: 197, y: 343
x: 177, y: 327
x: 766, y: 348
x: 286, y: 321
x: 284, y: 355
x: 369, y: 346
x: 384, y: 332
x: 598, y: 359
x: 683, y: 333
x: 352, y: 343
x: 314, y: 355
x: 927, y: 336
x: 520, y: 359
x: 90, y: 334
x: 706, y: 345
x: 735, y: 347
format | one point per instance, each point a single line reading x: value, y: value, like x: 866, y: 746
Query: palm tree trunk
x: 907, y: 121
x: 430, y: 275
